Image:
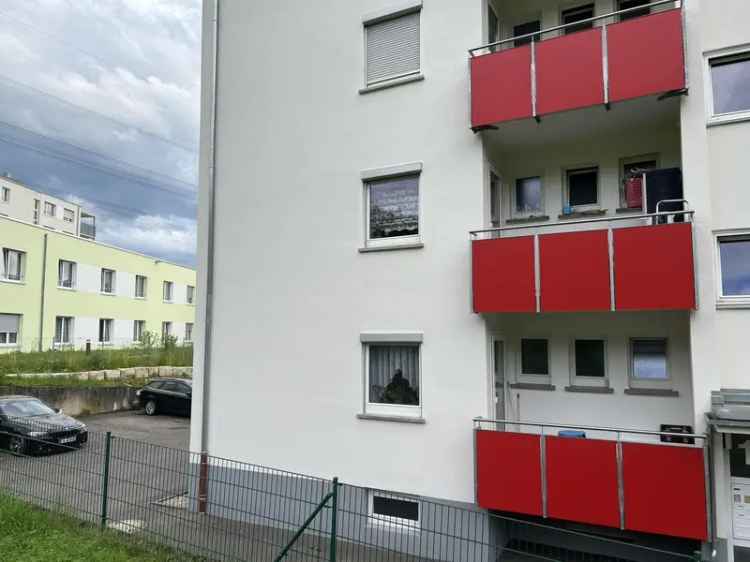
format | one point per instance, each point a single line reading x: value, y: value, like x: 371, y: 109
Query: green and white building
x: 62, y: 289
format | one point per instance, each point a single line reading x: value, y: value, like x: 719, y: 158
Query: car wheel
x: 17, y: 445
x: 150, y: 408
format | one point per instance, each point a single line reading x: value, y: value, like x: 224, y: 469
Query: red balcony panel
x: 574, y: 269
x: 569, y: 72
x: 654, y: 267
x: 582, y: 481
x: 501, y: 86
x: 665, y: 490
x: 508, y: 472
x: 646, y: 56
x: 503, y: 275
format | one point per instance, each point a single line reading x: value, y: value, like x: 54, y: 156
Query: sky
x: 99, y: 104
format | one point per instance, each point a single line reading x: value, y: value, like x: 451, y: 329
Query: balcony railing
x: 616, y: 479
x: 608, y: 63
x: 648, y: 266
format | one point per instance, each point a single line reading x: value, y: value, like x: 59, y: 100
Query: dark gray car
x: 166, y: 396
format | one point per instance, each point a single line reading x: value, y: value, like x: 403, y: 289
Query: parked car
x: 29, y: 426
x: 166, y: 396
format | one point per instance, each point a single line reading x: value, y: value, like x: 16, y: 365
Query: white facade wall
x: 21, y: 207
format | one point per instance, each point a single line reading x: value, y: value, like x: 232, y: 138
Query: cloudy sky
x: 99, y: 103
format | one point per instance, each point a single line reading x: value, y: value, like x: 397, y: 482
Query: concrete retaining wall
x: 114, y: 374
x: 79, y: 401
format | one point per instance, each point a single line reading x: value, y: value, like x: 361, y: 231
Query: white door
x: 498, y: 351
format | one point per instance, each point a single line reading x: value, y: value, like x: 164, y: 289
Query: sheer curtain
x: 385, y: 360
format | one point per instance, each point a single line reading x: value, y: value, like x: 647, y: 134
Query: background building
x: 554, y: 231
x: 58, y: 289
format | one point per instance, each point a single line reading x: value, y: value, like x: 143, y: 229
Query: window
x: 5, y: 198
x: 140, y: 286
x: 108, y: 281
x: 589, y: 362
x: 525, y: 29
x: 36, y: 210
x: 392, y: 373
x: 168, y: 290
x: 626, y: 4
x: 734, y: 269
x: 68, y: 215
x: 528, y: 197
x: 9, y: 328
x: 139, y: 328
x: 495, y: 199
x: 631, y: 194
x: 579, y: 13
x: 534, y: 357
x: 648, y: 361
x: 392, y: 210
x: 188, y: 332
x: 63, y: 330
x: 493, y: 25
x: 66, y: 274
x: 190, y: 294
x: 105, y: 330
x: 385, y: 508
x: 50, y: 209
x: 13, y: 264
x: 392, y: 47
x: 583, y: 188
x: 166, y: 330
x: 730, y: 85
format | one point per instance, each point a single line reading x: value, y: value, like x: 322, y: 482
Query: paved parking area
x: 167, y: 431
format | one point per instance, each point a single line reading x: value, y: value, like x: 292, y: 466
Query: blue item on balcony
x: 574, y: 433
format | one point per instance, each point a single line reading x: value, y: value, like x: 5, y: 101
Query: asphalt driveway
x: 167, y: 431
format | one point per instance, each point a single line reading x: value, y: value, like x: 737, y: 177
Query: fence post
x: 334, y: 514
x: 105, y: 478
x: 203, y: 483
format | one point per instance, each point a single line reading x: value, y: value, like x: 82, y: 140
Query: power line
x: 190, y: 149
x: 98, y: 154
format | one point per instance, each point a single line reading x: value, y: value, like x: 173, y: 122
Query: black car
x: 28, y: 426
x: 166, y: 396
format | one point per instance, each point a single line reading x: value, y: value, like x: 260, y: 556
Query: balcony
x: 551, y: 73
x: 657, y: 487
x: 592, y: 265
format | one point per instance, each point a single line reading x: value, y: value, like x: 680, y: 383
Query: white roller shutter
x: 393, y: 47
x: 9, y: 322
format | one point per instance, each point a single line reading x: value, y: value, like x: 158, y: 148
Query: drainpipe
x: 43, y: 294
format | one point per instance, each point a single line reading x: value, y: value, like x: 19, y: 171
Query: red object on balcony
x: 503, y: 271
x: 654, y: 267
x: 665, y: 490
x: 582, y: 481
x: 574, y: 269
x: 634, y: 192
x: 569, y: 72
x: 501, y: 86
x: 508, y: 472
x: 646, y: 56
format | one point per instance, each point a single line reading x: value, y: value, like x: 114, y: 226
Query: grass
x: 30, y: 534
x: 69, y: 382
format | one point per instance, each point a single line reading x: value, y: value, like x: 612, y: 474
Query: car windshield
x: 25, y: 408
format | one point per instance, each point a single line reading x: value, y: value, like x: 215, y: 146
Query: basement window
x: 392, y: 510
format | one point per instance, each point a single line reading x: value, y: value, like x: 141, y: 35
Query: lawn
x: 33, y: 535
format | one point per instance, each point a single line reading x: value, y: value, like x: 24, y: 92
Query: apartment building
x: 20, y: 202
x: 442, y: 213
x: 63, y: 291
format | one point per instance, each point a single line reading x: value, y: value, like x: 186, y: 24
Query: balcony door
x: 500, y: 384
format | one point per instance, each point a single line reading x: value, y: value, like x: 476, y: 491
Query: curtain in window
x: 394, y: 374
x: 12, y: 265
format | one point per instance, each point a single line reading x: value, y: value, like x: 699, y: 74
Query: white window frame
x: 48, y: 205
x: 145, y: 287
x: 637, y: 382
x: 713, y: 118
x: 190, y: 294
x: 66, y: 218
x: 110, y: 328
x: 727, y: 301
x: 5, y: 340
x: 495, y: 198
x: 391, y: 521
x: 393, y: 172
x: 166, y: 329
x: 113, y: 284
x: 5, y: 195
x: 410, y: 7
x: 37, y: 205
x: 531, y: 378
x: 583, y: 381
x: 164, y: 286
x: 139, y: 329
x: 566, y: 191
x: 515, y: 213
x: 390, y: 339
x: 4, y: 254
x: 68, y: 323
x: 73, y: 275
x: 189, y: 327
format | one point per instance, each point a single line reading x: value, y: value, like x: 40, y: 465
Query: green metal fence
x: 221, y: 509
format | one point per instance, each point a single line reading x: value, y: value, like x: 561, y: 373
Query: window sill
x: 396, y: 419
x: 140, y: 298
x: 728, y: 119
x: 8, y: 345
x: 13, y: 281
x: 168, y: 302
x: 666, y: 392
x: 590, y: 389
x: 627, y: 210
x: 583, y: 214
x: 107, y: 294
x: 725, y: 304
x: 532, y: 386
x: 392, y: 83
x: 369, y: 249
x: 66, y: 288
x: 525, y: 220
